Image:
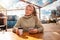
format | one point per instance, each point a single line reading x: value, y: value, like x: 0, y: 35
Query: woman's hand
x: 15, y: 30
x: 33, y: 31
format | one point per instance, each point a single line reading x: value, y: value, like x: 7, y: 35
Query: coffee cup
x: 20, y: 31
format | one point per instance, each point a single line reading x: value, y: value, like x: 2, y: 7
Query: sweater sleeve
x: 38, y: 25
x: 18, y: 24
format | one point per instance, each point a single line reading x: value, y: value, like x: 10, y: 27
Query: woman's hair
x: 34, y: 10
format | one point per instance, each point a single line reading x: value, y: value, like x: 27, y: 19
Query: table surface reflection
x: 25, y: 36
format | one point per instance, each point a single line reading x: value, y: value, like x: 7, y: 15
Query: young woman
x: 29, y: 20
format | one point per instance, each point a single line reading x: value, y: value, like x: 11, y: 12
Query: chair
x: 2, y: 22
x: 11, y: 20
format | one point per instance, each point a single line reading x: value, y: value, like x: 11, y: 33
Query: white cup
x: 20, y: 31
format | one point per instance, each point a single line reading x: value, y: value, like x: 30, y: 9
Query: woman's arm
x: 17, y: 25
x: 38, y: 25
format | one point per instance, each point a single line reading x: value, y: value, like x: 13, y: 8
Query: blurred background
x: 14, y: 9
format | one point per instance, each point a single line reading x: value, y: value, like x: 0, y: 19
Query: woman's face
x: 29, y: 10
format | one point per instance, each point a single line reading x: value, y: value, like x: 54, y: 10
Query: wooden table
x: 51, y: 32
x: 25, y: 36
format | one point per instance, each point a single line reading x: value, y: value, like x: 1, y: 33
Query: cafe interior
x: 48, y: 12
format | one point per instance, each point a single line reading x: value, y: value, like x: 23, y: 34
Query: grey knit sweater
x: 27, y: 22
